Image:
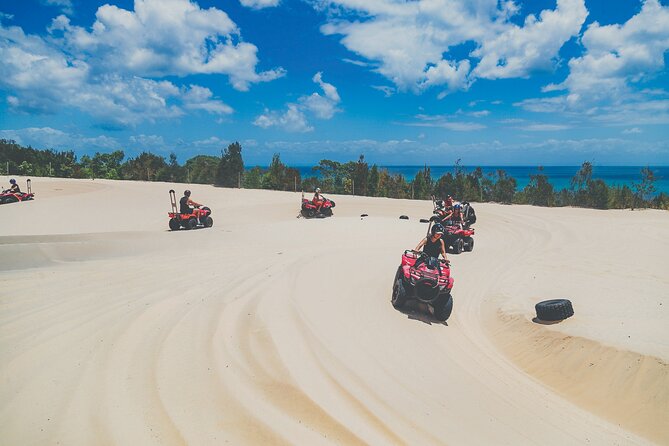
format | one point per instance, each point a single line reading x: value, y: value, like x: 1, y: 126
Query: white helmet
x: 318, y: 189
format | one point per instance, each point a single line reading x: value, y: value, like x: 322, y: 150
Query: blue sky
x: 490, y: 82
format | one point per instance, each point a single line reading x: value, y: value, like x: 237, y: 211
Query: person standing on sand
x: 185, y: 203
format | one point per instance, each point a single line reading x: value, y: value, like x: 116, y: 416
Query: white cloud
x: 259, y: 4
x: 480, y: 113
x: 200, y: 98
x: 64, y: 5
x: 518, y: 50
x: 41, y: 76
x: 632, y: 131
x: 603, y: 83
x: 150, y: 141
x: 163, y: 38
x: 50, y: 138
x: 387, y: 91
x: 544, y: 127
x: 409, y: 42
x: 446, y: 122
x: 294, y: 118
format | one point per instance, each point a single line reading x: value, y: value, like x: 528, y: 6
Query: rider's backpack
x: 469, y: 214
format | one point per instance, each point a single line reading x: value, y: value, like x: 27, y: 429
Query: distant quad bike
x: 7, y: 196
x: 198, y: 218
x: 310, y: 210
x: 425, y: 279
x: 459, y: 239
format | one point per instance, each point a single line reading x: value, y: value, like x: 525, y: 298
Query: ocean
x: 559, y: 176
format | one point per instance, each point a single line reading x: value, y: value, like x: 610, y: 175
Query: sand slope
x: 269, y: 329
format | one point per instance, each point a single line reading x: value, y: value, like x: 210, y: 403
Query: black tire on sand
x: 554, y: 310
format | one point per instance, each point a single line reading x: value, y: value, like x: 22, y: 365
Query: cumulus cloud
x: 410, y: 42
x: 201, y: 98
x: 82, y: 69
x: 163, y: 38
x: 617, y: 55
x: 259, y: 4
x: 517, y: 50
x: 602, y: 82
x: 294, y: 118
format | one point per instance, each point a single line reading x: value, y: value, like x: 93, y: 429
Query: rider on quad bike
x: 318, y: 199
x: 186, y: 205
x: 14, y: 188
x: 433, y: 245
x: 423, y: 277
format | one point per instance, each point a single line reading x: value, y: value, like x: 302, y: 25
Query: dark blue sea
x: 559, y: 176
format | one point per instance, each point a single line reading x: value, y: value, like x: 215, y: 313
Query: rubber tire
x: 174, y: 224
x: 469, y: 244
x: 11, y: 199
x: 399, y: 296
x: 308, y: 213
x: 443, y: 310
x: 208, y: 222
x: 191, y: 223
x: 458, y: 246
x: 554, y: 310
x: 327, y: 212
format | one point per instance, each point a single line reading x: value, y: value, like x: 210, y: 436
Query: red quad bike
x: 425, y: 279
x: 7, y: 196
x: 310, y: 210
x: 198, y: 218
x: 460, y: 239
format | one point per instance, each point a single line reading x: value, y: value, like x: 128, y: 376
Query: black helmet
x: 187, y: 193
x: 437, y: 229
x: 12, y: 181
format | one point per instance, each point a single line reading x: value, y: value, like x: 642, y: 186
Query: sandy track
x: 267, y: 329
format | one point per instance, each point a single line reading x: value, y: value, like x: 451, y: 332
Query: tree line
x: 353, y: 177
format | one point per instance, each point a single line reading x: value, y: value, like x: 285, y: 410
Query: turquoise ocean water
x: 559, y: 176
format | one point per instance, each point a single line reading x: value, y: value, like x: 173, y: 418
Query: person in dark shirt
x: 433, y: 245
x: 14, y: 188
x: 185, y: 203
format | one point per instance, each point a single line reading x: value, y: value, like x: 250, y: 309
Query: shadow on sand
x: 536, y: 320
x: 418, y: 311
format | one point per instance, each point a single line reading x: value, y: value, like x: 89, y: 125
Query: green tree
x: 202, y: 169
x: 373, y: 181
x: 253, y: 178
x: 645, y: 188
x: 504, y: 187
x: 422, y: 184
x: 145, y: 167
x: 539, y: 191
x: 231, y: 166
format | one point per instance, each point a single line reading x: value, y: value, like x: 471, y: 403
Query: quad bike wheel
x: 174, y: 224
x: 469, y: 244
x: 327, y: 212
x: 399, y: 295
x: 191, y: 223
x: 208, y: 222
x: 458, y: 246
x: 308, y: 213
x: 11, y: 199
x: 443, y: 307
x: 554, y: 310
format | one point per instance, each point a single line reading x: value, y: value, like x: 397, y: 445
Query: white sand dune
x: 269, y: 329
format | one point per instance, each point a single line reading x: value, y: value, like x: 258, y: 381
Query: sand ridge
x: 272, y: 329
